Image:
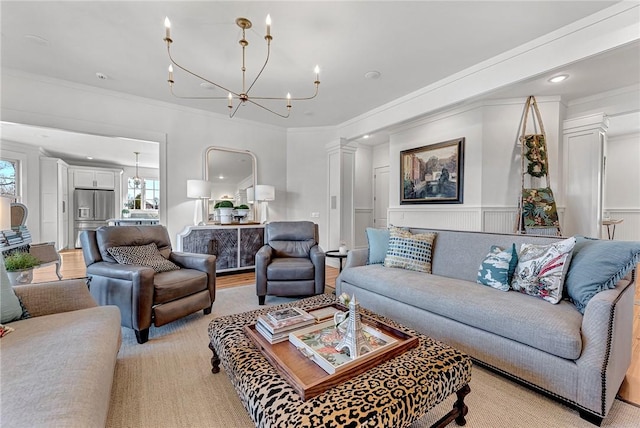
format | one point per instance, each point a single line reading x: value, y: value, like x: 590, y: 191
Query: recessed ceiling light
x: 373, y: 75
x: 559, y: 78
x: 37, y: 39
x: 365, y: 136
x: 221, y: 177
x: 90, y: 157
x: 101, y: 76
x: 207, y: 85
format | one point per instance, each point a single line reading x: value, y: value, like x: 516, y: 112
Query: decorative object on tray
x: 319, y: 342
x: 353, y: 339
x: 275, y: 326
x: 340, y: 317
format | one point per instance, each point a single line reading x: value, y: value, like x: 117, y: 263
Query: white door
x: 380, y: 196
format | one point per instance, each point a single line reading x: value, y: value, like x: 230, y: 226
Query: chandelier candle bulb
x: 170, y: 73
x: 230, y: 100
x: 317, y: 71
x: 288, y: 100
x: 167, y: 28
x: 268, y: 25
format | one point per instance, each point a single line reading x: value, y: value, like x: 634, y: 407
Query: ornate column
x: 341, y: 178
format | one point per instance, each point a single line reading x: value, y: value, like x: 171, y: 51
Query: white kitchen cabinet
x: 94, y: 179
x: 54, y: 202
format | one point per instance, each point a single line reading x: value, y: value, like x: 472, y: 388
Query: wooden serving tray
x: 308, y: 378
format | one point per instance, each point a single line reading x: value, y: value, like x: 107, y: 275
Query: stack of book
x: 275, y: 326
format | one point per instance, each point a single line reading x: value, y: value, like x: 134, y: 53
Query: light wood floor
x: 73, y: 267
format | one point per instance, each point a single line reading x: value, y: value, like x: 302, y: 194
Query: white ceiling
x: 412, y: 44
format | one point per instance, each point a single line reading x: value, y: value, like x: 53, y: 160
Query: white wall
x: 306, y: 175
x: 35, y: 100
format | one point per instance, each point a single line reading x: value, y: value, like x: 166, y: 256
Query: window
x: 144, y: 197
x: 9, y: 178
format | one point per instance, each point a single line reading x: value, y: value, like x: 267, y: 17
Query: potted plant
x: 225, y: 209
x: 19, y: 266
x: 125, y: 213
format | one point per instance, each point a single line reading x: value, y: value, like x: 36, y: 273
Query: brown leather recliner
x: 144, y: 296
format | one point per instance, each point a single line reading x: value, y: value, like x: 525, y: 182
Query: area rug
x: 167, y: 382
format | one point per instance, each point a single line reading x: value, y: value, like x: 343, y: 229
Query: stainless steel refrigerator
x: 92, y: 209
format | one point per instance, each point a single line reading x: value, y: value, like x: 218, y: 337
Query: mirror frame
x: 237, y: 151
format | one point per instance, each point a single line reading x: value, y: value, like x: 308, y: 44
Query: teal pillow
x: 378, y: 245
x: 10, y: 308
x: 496, y: 270
x: 598, y: 265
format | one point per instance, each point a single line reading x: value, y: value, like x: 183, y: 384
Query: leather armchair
x: 144, y: 296
x: 291, y: 263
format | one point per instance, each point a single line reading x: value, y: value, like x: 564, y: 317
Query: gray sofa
x: 579, y: 359
x: 57, y: 367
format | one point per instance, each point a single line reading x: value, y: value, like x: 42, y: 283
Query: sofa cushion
x: 57, y: 370
x: 497, y: 268
x: 409, y: 251
x: 542, y: 268
x: 597, y: 265
x: 143, y: 255
x: 555, y: 329
x: 378, y: 240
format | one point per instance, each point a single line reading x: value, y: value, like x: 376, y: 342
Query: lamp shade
x: 197, y: 189
x: 250, y: 195
x: 5, y: 213
x: 265, y: 192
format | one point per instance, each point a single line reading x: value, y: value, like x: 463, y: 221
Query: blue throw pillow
x: 598, y: 265
x: 378, y: 245
x: 496, y: 270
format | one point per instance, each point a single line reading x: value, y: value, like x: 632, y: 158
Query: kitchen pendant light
x: 137, y: 181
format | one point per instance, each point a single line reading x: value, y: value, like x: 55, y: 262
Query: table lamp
x: 5, y: 213
x: 263, y: 194
x: 201, y: 191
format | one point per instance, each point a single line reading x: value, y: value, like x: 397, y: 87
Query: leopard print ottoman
x: 395, y: 393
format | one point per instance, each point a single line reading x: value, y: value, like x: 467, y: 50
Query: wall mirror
x: 231, y: 172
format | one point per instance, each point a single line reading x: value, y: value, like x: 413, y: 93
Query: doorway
x: 380, y: 196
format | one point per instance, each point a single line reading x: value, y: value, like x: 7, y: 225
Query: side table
x: 336, y: 254
x: 611, y: 222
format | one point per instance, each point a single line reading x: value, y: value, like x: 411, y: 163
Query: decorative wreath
x: 536, y: 155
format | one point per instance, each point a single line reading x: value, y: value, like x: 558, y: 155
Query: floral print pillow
x: 541, y: 269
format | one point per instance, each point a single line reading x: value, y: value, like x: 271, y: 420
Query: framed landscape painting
x: 432, y: 174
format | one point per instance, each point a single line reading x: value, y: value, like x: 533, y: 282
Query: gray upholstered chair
x: 291, y: 263
x: 144, y: 296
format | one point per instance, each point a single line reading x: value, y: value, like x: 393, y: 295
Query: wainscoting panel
x: 437, y: 217
x: 363, y: 219
x: 499, y: 219
x: 629, y: 229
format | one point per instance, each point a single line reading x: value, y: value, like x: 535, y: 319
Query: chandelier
x: 137, y: 181
x: 241, y: 96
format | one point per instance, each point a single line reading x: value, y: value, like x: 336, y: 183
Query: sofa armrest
x: 357, y: 257
x: 317, y: 257
x: 607, y: 333
x: 202, y: 262
x: 263, y: 258
x: 55, y: 297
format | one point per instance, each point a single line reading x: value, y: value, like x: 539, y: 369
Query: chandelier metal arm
x: 199, y: 77
x: 268, y: 109
x: 263, y: 66
x: 292, y: 98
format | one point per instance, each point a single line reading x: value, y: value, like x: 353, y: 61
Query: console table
x: 235, y: 245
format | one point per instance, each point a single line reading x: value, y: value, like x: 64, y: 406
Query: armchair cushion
x: 290, y: 269
x: 174, y: 285
x: 145, y: 255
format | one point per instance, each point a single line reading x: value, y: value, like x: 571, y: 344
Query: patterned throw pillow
x: 497, y: 268
x: 541, y: 269
x: 409, y: 251
x: 144, y: 255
